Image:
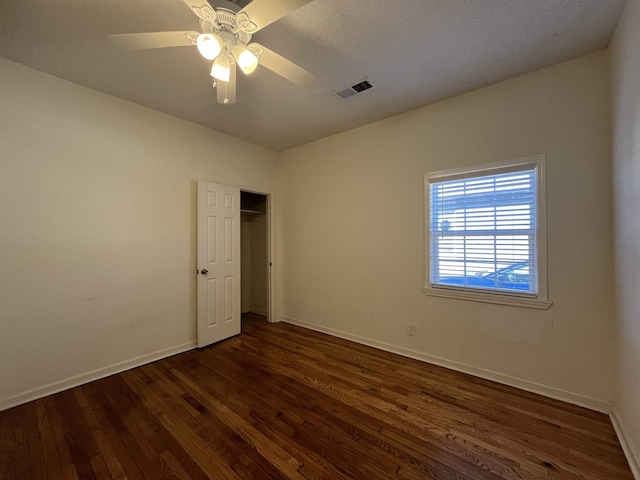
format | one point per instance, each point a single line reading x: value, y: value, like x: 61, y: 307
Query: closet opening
x: 254, y: 256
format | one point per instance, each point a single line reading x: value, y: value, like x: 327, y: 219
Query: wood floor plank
x: 396, y: 414
x: 549, y: 445
x: 297, y: 388
x: 308, y: 406
x: 51, y: 464
x: 14, y: 449
x: 112, y: 423
x: 280, y: 401
x: 208, y: 459
x: 108, y: 456
x: 227, y: 443
x: 271, y: 407
x: 456, y: 396
x: 276, y: 455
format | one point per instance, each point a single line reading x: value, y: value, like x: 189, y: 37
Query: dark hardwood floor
x: 280, y: 401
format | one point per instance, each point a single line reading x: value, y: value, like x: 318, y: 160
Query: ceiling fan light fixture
x: 209, y: 45
x: 247, y: 60
x: 221, y: 69
x: 227, y: 30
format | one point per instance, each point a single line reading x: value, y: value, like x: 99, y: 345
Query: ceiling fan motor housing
x: 226, y: 26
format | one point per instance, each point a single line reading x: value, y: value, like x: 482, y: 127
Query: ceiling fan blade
x: 260, y: 13
x: 227, y: 90
x: 202, y: 9
x: 283, y: 67
x: 144, y: 41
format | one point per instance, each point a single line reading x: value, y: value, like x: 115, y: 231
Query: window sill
x: 499, y: 299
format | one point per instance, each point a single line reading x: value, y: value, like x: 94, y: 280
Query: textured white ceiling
x: 415, y: 52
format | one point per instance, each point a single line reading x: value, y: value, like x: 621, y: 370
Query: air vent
x: 354, y: 90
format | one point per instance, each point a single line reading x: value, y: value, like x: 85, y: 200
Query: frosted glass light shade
x: 209, y: 45
x: 247, y: 61
x: 220, y: 69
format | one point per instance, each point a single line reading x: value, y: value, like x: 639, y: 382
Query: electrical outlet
x: 411, y: 330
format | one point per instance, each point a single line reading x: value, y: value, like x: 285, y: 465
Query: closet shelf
x: 251, y: 212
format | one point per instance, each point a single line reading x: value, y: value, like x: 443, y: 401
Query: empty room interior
x: 320, y: 239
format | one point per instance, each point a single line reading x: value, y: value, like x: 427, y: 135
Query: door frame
x: 271, y: 290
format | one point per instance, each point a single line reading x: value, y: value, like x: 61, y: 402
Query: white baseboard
x: 546, y: 390
x: 259, y: 311
x: 55, y: 387
x: 627, y: 447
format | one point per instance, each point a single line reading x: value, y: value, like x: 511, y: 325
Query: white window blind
x: 483, y: 232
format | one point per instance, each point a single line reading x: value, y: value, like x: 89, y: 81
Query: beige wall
x: 625, y: 50
x: 98, y: 231
x: 259, y: 302
x: 245, y: 263
x: 97, y: 218
x: 254, y: 264
x: 352, y: 237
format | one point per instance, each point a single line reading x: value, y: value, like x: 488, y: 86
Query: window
x: 486, y: 238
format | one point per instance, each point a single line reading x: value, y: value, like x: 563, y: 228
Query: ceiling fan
x: 225, y: 39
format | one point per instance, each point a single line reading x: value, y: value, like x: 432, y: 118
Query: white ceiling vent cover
x: 353, y: 90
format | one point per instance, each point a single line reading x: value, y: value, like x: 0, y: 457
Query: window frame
x: 539, y: 300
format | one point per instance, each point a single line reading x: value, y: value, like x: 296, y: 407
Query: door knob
x: 204, y: 271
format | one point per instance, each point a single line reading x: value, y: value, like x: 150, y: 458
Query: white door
x: 218, y: 262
